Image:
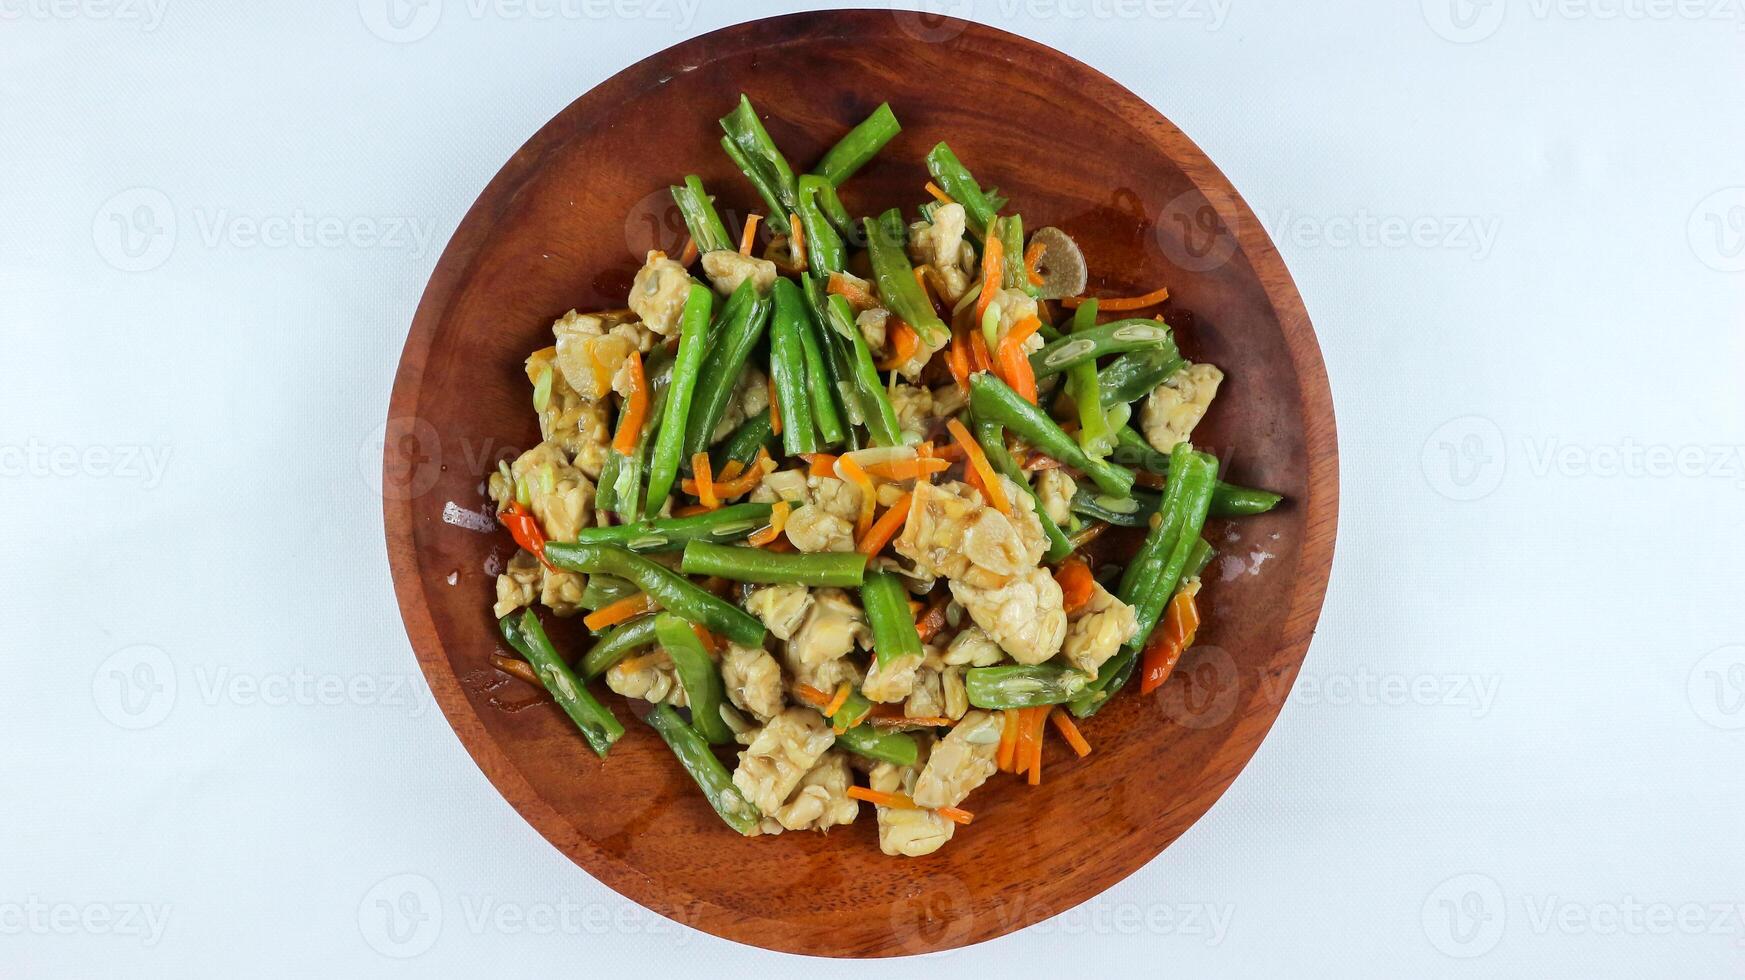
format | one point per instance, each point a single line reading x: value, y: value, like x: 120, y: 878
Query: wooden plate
x: 564, y: 225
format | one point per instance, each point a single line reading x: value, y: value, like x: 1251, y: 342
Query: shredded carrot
x: 907, y: 469
x: 635, y: 664
x: 736, y: 479
x: 957, y: 359
x: 691, y: 510
x: 748, y: 237
x: 885, y: 528
x: 939, y: 195
x: 635, y: 409
x: 517, y: 668
x: 841, y: 698
x: 857, y: 476
x: 799, y: 238
x: 933, y: 620
x: 711, y: 642
x: 904, y: 342
x: 1008, y: 740
x: 822, y: 464
x: 990, y: 482
x: 849, y: 289
x: 1181, y: 620
x: 1014, y: 363
x: 1039, y: 721
x: 978, y: 348
x: 602, y: 372
x: 1069, y: 731
x: 993, y: 254
x: 1152, y: 298
x: 1037, y: 462
x: 811, y: 695
x: 1076, y: 584
x: 1021, y: 749
x: 614, y: 613
x: 1088, y: 535
x: 689, y: 255
x: 925, y: 721
x: 902, y: 801
x: 705, y: 481
x: 1033, y: 262
x: 949, y: 450
x: 775, y: 410
x: 926, y: 290
x: 778, y: 520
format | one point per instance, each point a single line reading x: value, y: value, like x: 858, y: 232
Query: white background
x: 1516, y: 744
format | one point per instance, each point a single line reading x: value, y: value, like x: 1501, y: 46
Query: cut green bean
x: 669, y: 445
x: 1094, y: 436
x: 855, y: 378
x: 887, y: 613
x: 992, y: 439
x: 1013, y: 272
x: 1022, y: 686
x: 704, y: 693
x: 753, y: 434
x: 834, y: 568
x: 1090, y: 344
x: 824, y: 249
x: 616, y: 645
x: 728, y: 523
x: 1132, y: 376
x: 700, y: 218
x: 896, y: 748
x: 819, y: 388
x: 673, y: 591
x: 705, y: 770
x: 991, y: 399
x: 595, y: 720
x: 787, y: 360
x: 862, y: 143
x: 895, y: 277
x: 1228, y: 499
x: 750, y: 146
x: 956, y: 181
x: 603, y: 590
x: 729, y: 346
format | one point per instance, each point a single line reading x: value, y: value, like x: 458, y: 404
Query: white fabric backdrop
x: 1519, y: 226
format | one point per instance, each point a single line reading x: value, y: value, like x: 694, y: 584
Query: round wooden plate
x: 565, y: 224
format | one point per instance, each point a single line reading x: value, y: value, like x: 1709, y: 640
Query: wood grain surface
x: 565, y: 224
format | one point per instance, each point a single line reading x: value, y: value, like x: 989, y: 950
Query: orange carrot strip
x: 799, y: 238
x: 811, y: 695
x: 1008, y: 740
x: 939, y: 195
x: 848, y: 289
x: 990, y: 482
x: 689, y: 255
x: 822, y: 464
x: 635, y: 664
x: 885, y: 528
x: 1021, y: 749
x: 841, y: 698
x: 926, y: 290
x: 614, y: 613
x: 904, y: 342
x: 978, y: 348
x: 705, y: 481
x: 748, y: 237
x: 602, y: 373
x: 775, y: 410
x: 635, y: 409
x: 778, y: 519
x: 957, y: 359
x: 949, y: 450
x: 993, y: 254
x: 690, y: 510
x: 1076, y: 584
x: 1152, y: 298
x: 933, y: 620
x: 902, y: 801
x: 1039, y: 720
x: 907, y: 469
x: 516, y: 668
x: 960, y: 817
x: 1163, y: 650
x: 732, y: 482
x: 1070, y: 732
x: 1032, y: 261
x: 1014, y: 363
x: 858, y: 477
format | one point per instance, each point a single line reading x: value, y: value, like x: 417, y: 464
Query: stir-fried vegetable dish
x: 828, y: 506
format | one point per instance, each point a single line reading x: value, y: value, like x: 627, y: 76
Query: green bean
x: 729, y: 346
x: 1089, y: 344
x: 1133, y: 376
x: 619, y: 488
x: 750, y: 146
x: 893, y: 747
x: 819, y: 387
x: 862, y: 143
x: 993, y: 442
x: 616, y: 645
x: 856, y: 379
x: 991, y: 399
x: 854, y: 710
x: 753, y: 434
x: 669, y: 445
x: 1014, y: 274
x: 824, y: 250
x: 895, y: 277
x: 1228, y: 499
x: 700, y: 218
x: 1081, y: 380
x: 956, y: 181
x: 1022, y: 686
x: 603, y: 590
x: 728, y: 523
x: 837, y: 568
x: 704, y: 692
x: 707, y: 771
x: 594, y: 719
x: 887, y: 612
x: 1198, y: 559
x: 787, y: 363
x: 673, y: 591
